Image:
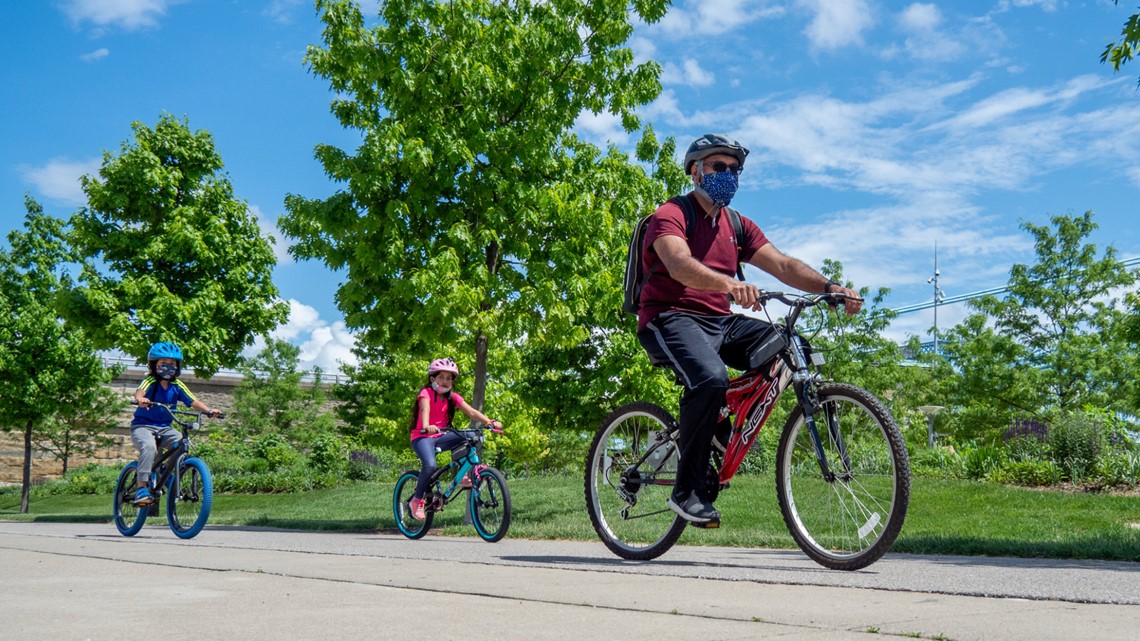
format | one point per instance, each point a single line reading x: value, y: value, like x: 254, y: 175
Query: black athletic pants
x: 697, y: 348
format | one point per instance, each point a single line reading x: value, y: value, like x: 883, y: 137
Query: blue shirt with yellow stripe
x: 159, y: 417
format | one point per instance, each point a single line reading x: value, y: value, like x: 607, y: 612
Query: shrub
x: 978, y: 462
x: 363, y: 466
x: 938, y: 462
x: 1075, y: 442
x: 1033, y: 473
x: 1119, y: 467
x: 274, y: 450
x: 327, y: 454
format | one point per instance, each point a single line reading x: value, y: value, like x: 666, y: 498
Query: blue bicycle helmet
x: 164, y: 350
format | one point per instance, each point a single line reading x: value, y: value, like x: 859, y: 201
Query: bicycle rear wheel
x: 401, y: 495
x: 850, y: 520
x: 188, y: 505
x: 631, y: 469
x: 491, y: 505
x: 129, y: 518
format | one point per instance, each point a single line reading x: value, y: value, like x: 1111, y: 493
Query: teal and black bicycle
x: 186, y: 481
x: 488, y: 499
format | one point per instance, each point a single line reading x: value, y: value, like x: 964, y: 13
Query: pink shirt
x: 710, y: 244
x: 437, y: 411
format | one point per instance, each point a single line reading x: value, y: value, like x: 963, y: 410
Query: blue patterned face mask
x: 166, y: 372
x: 720, y: 187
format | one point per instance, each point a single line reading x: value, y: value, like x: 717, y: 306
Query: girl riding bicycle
x: 161, y: 385
x: 432, y: 414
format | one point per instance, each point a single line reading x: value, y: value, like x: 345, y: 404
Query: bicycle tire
x: 632, y: 517
x: 401, y: 494
x: 188, y: 505
x: 129, y: 518
x: 490, y: 502
x: 851, y: 521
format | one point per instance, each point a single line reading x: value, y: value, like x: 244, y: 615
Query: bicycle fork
x: 809, y: 403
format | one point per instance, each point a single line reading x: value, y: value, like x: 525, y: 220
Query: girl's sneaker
x: 417, y: 506
x: 143, y: 497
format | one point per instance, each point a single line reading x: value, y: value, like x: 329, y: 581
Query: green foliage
x: 1120, y: 52
x: 937, y: 462
x: 275, y: 450
x: 1061, y: 319
x: 1076, y: 441
x: 1119, y: 467
x: 328, y: 454
x: 272, y: 397
x: 472, y: 221
x: 1028, y: 472
x: 981, y: 461
x: 169, y: 253
x: 45, y: 365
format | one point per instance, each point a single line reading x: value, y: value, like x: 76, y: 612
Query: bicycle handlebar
x: 173, y: 409
x: 801, y: 300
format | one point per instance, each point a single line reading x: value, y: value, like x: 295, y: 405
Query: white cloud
x: 322, y: 345
x: 277, y: 238
x: 58, y: 180
x: 601, y: 128
x: 129, y: 15
x: 98, y: 54
x: 836, y: 23
x: 690, y: 73
x: 283, y: 11
x: 714, y: 17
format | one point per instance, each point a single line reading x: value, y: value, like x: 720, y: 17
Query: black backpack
x: 635, y: 276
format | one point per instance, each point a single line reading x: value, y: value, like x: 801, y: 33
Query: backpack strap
x: 686, y: 206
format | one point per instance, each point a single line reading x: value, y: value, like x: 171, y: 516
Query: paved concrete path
x: 84, y: 581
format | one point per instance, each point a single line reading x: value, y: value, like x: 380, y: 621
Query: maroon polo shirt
x: 711, y: 244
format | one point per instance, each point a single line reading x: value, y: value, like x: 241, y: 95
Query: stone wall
x: 216, y: 392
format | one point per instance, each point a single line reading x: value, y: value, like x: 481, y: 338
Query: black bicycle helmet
x: 710, y: 144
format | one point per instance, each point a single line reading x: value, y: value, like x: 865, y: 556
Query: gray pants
x: 143, y: 436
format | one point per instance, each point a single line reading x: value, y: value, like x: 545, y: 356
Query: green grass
x: 946, y: 517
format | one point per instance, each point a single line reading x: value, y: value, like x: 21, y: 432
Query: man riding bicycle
x: 684, y: 321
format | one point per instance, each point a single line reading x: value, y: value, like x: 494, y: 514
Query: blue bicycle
x: 185, y: 480
x: 488, y: 499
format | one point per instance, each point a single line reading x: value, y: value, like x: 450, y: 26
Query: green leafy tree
x: 1064, y: 317
x: 273, y: 398
x: 80, y: 424
x: 1120, y: 52
x: 471, y: 217
x: 43, y: 362
x: 169, y: 253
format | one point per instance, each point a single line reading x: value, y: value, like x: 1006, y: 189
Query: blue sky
x: 877, y: 129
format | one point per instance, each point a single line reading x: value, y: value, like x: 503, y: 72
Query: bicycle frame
x: 752, y: 396
x: 460, y: 468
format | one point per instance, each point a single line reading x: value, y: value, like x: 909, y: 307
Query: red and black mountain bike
x: 842, y: 474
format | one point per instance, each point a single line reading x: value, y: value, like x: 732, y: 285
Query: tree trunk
x: 27, y: 480
x: 66, y: 450
x: 479, y: 394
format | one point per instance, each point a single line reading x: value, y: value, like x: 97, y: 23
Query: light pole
x: 930, y: 411
x: 938, y: 296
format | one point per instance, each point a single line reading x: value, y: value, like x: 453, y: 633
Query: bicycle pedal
x: 711, y: 525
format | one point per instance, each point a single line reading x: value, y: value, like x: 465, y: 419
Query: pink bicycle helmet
x: 443, y: 365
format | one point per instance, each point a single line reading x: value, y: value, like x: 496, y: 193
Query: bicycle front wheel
x: 129, y: 518
x: 631, y: 469
x: 190, y: 497
x: 491, y: 505
x: 849, y: 518
x: 401, y: 495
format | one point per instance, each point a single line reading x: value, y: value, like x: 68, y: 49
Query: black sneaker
x: 694, y: 509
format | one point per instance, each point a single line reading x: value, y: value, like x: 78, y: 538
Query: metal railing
x: 131, y: 364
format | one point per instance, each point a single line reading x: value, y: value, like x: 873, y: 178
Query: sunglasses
x: 720, y: 167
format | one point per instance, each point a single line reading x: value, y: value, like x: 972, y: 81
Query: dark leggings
x: 425, y: 449
x: 697, y: 348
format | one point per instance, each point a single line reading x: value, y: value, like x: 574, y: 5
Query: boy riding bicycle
x: 151, y: 426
